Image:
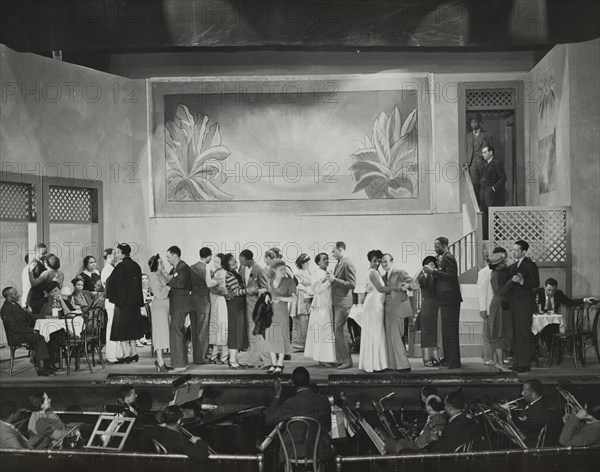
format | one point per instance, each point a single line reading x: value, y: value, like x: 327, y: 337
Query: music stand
x: 107, y: 427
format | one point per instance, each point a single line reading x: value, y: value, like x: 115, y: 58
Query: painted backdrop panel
x: 338, y: 145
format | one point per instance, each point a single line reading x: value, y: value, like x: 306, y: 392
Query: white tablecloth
x: 541, y: 321
x: 47, y: 326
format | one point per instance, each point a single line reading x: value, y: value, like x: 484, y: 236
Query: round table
x: 539, y: 322
x: 49, y: 325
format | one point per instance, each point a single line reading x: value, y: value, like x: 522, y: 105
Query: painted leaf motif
x: 367, y: 179
x: 382, y: 144
x: 394, y: 126
x: 366, y: 155
x: 409, y: 123
x: 372, y: 167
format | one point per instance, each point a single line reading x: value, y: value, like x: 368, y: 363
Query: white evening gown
x: 373, y: 354
x: 320, y: 340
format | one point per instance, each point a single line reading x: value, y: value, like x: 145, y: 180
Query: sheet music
x: 377, y: 441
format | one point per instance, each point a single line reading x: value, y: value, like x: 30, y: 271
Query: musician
x: 583, y: 428
x: 44, y: 425
x: 172, y: 438
x: 305, y: 402
x: 436, y: 422
x: 460, y: 428
x: 126, y: 402
x: 535, y: 416
x: 10, y: 436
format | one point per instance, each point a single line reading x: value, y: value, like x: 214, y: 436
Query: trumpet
x: 393, y: 428
x: 190, y: 435
x: 496, y: 405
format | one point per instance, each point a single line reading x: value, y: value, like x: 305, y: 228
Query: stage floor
x: 24, y: 371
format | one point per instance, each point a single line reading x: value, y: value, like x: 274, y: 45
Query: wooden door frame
x: 518, y: 107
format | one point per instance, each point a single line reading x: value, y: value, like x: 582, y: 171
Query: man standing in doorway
x: 477, y: 139
x: 343, y: 281
x: 448, y: 299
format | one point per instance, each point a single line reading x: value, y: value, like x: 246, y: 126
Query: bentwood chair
x: 569, y: 336
x: 302, y: 446
x: 13, y: 346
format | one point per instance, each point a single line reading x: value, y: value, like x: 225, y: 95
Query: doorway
x: 500, y: 105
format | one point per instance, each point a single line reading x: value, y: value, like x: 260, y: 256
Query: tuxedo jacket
x: 531, y: 420
x: 560, y: 300
x: 343, y: 284
x: 446, y: 281
x: 398, y: 303
x: 124, y: 286
x: 457, y: 432
x: 181, y: 287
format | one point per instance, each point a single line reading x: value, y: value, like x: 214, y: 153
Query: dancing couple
x: 386, y: 305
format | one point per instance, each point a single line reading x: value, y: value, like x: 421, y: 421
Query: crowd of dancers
x: 224, y: 304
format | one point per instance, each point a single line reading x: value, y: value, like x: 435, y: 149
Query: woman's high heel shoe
x: 271, y: 370
x: 278, y: 370
x: 134, y: 358
x: 223, y: 359
x: 162, y: 367
x: 234, y: 365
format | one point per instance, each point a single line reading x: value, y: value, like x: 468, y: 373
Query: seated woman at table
x: 54, y: 300
x: 90, y: 275
x: 80, y: 299
x: 45, y: 427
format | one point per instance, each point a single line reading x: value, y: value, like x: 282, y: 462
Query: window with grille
x: 491, y: 99
x: 17, y: 202
x: 73, y: 205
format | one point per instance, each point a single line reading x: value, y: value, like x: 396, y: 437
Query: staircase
x: 471, y: 326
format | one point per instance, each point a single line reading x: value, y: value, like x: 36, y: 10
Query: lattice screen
x: 490, y: 99
x: 73, y: 205
x: 545, y: 230
x: 17, y: 202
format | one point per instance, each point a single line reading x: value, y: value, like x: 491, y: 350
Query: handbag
x: 418, y: 322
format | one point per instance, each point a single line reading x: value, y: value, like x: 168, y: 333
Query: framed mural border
x: 158, y: 87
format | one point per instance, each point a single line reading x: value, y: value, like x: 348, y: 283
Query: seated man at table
x: 551, y: 299
x: 54, y: 299
x: 19, y: 329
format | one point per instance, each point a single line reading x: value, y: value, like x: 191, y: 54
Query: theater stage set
x: 307, y: 123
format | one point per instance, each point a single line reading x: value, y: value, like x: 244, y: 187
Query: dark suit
x: 448, y: 298
x: 475, y: 145
x: 200, y: 313
x: 36, y: 296
x: 174, y: 442
x: 180, y: 306
x: 458, y: 431
x: 257, y: 279
x: 531, y: 420
x: 342, y: 287
x: 491, y: 191
x: 304, y: 403
x: 523, y: 308
x: 558, y: 301
x: 19, y: 329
